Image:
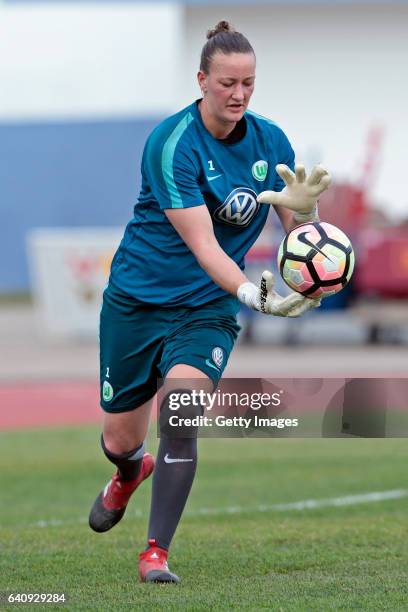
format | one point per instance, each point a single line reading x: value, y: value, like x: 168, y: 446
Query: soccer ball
x: 316, y: 259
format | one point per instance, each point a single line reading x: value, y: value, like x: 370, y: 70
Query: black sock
x: 172, y: 480
x: 128, y: 464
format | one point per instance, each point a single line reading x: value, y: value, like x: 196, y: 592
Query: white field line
x: 306, y: 504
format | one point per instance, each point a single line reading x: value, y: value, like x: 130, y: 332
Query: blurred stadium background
x: 83, y: 83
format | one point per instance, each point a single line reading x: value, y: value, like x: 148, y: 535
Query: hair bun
x: 222, y: 26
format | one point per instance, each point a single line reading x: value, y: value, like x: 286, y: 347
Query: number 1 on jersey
x: 210, y: 164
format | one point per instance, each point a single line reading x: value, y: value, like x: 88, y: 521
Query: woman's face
x: 228, y: 86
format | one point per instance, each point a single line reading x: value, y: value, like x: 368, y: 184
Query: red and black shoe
x: 153, y: 565
x: 110, y: 505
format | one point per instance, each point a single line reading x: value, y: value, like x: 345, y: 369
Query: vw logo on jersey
x: 239, y: 208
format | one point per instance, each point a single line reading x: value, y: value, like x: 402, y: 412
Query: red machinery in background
x: 382, y: 268
x: 381, y: 248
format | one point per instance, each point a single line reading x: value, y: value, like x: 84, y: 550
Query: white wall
x: 326, y: 75
x: 78, y: 59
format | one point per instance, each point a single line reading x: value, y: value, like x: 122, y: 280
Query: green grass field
x: 333, y: 558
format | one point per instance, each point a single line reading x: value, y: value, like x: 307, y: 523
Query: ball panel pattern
x: 316, y: 259
x: 298, y: 276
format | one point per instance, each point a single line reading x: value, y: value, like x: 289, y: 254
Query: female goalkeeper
x: 169, y: 311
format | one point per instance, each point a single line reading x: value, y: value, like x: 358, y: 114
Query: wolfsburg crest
x: 260, y: 170
x: 107, y: 391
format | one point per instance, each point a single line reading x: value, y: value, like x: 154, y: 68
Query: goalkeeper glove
x: 301, y: 192
x: 266, y: 300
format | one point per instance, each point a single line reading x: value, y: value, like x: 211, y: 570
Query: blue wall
x: 64, y: 174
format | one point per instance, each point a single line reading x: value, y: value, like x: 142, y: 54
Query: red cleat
x: 153, y: 565
x: 110, y: 505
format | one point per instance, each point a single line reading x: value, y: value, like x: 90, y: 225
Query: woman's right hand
x: 265, y: 299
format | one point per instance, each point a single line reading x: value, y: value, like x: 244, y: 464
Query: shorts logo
x: 218, y: 356
x: 260, y: 170
x: 239, y: 208
x: 107, y: 391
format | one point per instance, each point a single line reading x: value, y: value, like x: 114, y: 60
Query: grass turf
x: 332, y: 558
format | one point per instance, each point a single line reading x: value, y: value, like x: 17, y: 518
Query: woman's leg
x: 175, y: 463
x: 122, y: 442
x: 173, y: 477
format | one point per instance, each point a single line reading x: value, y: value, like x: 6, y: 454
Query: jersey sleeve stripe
x: 168, y: 157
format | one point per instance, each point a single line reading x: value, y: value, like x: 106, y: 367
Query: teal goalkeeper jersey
x: 183, y: 165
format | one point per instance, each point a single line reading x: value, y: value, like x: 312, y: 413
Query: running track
x: 58, y: 385
x: 49, y: 404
